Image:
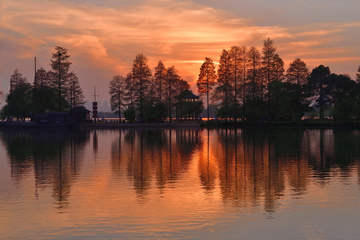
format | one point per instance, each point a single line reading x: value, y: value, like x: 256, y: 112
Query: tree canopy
x: 55, y: 90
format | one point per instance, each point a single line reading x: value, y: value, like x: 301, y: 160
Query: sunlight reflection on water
x: 183, y: 183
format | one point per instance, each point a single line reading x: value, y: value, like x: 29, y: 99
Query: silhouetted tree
x: 346, y: 98
x: 322, y: 86
x: 75, y: 94
x: 207, y: 79
x: 358, y: 75
x: 282, y: 104
x: 172, y: 77
x: 279, y: 76
x: 130, y: 90
x: 154, y: 110
x: 18, y: 102
x: 117, y: 90
x: 160, y: 80
x: 141, y: 76
x: 254, y: 76
x: 296, y: 77
x: 223, y: 92
x: 269, y: 68
x: 245, y: 63
x: 236, y: 71
x: 60, y: 66
x: 44, y: 94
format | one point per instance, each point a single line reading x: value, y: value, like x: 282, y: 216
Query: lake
x: 180, y: 183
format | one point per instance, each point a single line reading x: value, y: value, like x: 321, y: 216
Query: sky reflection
x: 180, y: 183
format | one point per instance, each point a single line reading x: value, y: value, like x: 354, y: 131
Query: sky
x: 103, y: 37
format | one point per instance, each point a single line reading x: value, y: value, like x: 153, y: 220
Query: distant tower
x: 95, y: 106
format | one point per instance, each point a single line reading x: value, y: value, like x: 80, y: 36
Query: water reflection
x: 162, y: 154
x: 247, y: 167
x: 54, y: 156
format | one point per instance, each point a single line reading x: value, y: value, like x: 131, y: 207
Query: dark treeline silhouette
x: 249, y: 85
x: 145, y: 96
x: 253, y: 87
x: 55, y: 90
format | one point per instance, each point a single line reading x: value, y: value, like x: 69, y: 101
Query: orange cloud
x: 31, y: 44
x: 103, y: 41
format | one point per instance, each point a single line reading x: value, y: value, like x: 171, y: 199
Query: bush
x: 129, y: 114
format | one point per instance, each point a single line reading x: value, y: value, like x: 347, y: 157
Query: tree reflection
x: 163, y: 153
x: 54, y: 156
x: 249, y: 167
x: 254, y: 165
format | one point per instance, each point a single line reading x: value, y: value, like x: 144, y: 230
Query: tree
x: 130, y: 90
x: 141, y: 75
x: 283, y: 101
x: 160, y: 79
x: 269, y: 68
x: 224, y: 91
x: 18, y: 102
x: 236, y: 70
x: 172, y: 78
x: 117, y: 90
x: 60, y: 66
x: 321, y: 86
x: 296, y: 76
x: 279, y: 75
x: 75, y: 94
x: 17, y: 81
x: 254, y: 76
x: 358, y: 75
x: 207, y: 79
x: 43, y: 94
x: 346, y: 98
x: 245, y: 62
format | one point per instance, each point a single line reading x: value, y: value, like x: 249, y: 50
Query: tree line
x: 248, y: 85
x: 145, y: 96
x: 255, y: 87
x: 55, y: 90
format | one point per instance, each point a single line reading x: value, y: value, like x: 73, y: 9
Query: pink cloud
x: 103, y: 41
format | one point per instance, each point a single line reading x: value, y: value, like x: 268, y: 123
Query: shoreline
x: 211, y: 125
x: 137, y: 125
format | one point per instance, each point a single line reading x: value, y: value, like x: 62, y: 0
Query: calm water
x: 208, y: 184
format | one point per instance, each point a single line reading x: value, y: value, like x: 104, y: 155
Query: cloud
x: 104, y: 40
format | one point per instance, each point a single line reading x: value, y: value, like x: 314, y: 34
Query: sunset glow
x: 103, y: 39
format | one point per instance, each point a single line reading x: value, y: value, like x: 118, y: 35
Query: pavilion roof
x: 187, y: 94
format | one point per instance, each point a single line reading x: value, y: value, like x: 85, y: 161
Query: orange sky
x: 104, y: 38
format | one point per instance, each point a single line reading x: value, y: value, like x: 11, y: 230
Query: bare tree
x: 141, y: 75
x: 130, y: 90
x: 254, y: 75
x: 117, y: 91
x: 224, y: 88
x: 172, y: 77
x: 43, y: 93
x: 75, y: 94
x: 207, y: 79
x: 268, y: 67
x: 60, y: 66
x: 245, y: 61
x: 236, y: 70
x: 160, y: 80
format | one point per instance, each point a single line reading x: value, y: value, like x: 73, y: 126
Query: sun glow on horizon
x: 103, y: 41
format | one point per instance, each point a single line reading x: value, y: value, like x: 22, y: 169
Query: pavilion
x: 188, y: 107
